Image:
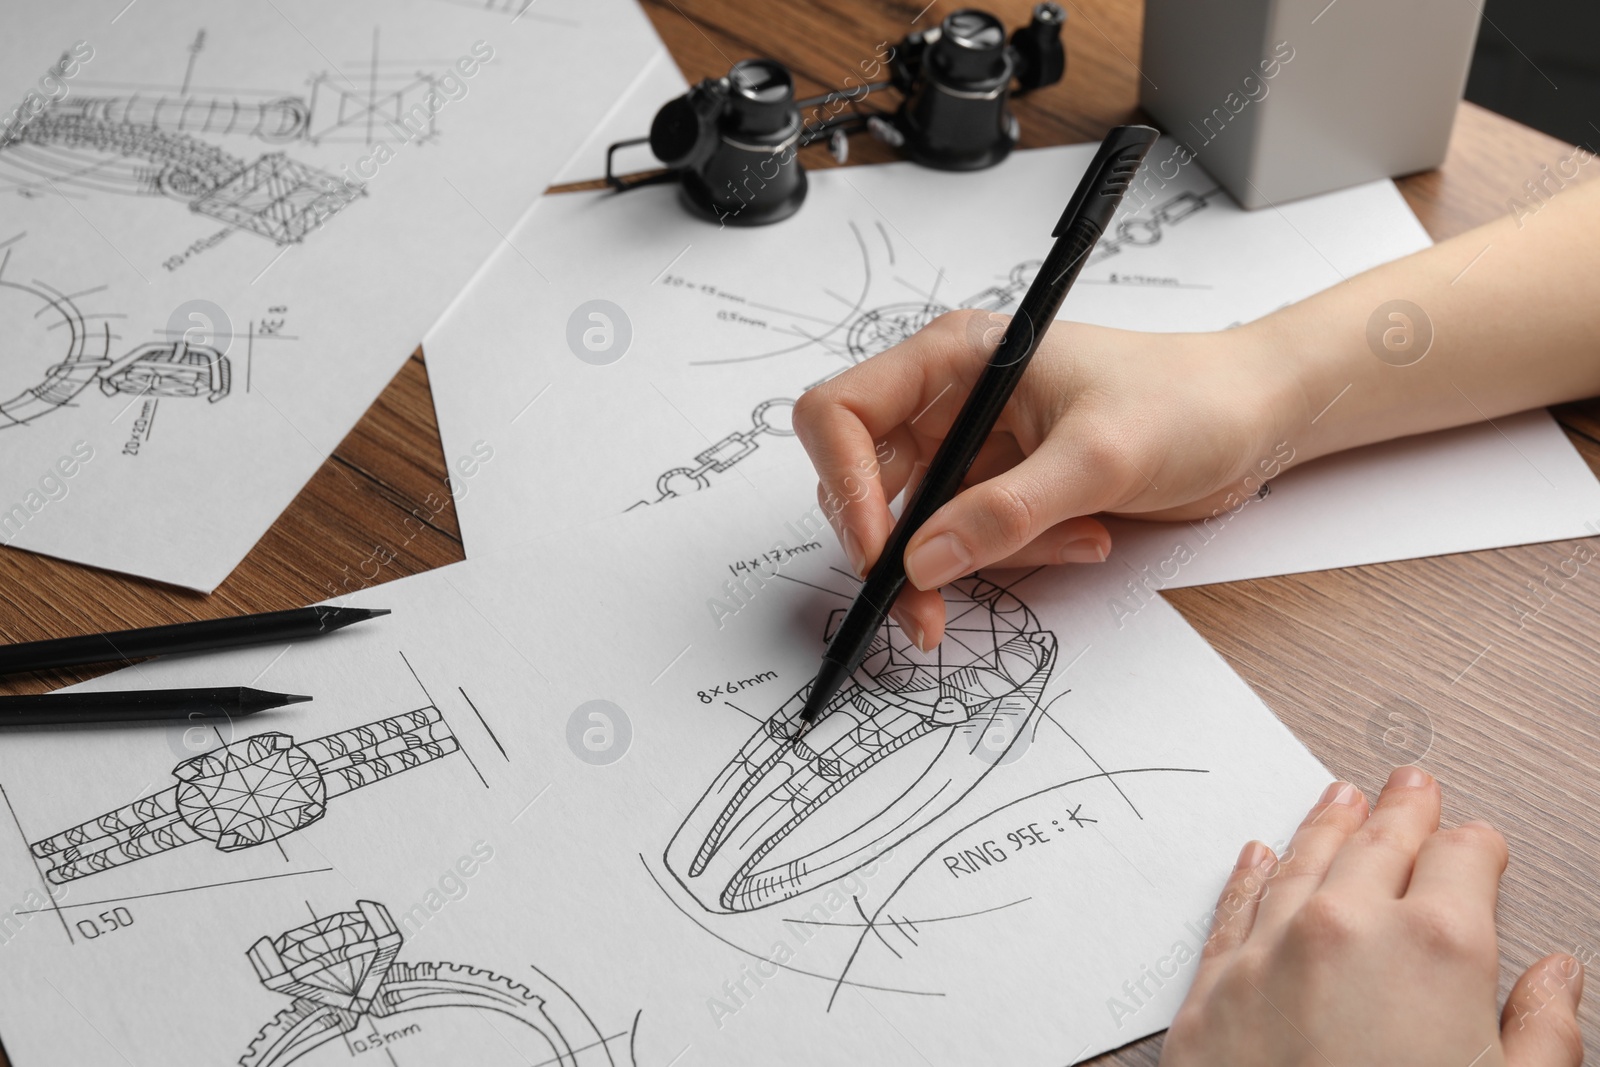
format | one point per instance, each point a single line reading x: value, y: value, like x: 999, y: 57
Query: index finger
x: 841, y: 421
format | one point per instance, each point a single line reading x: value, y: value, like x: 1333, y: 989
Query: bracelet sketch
x: 877, y: 329
x: 775, y: 417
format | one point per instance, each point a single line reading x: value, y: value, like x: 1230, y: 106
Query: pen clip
x: 1108, y: 177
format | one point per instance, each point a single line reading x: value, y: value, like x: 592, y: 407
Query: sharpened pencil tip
x: 290, y: 698
x: 336, y: 618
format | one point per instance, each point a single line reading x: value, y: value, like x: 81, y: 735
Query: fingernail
x: 1409, y: 777
x: 909, y: 627
x: 1340, y: 793
x: 1087, y: 550
x: 1252, y: 855
x: 1572, y: 975
x: 938, y: 562
x: 852, y: 548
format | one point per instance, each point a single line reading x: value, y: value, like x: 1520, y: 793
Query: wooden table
x: 1514, y: 736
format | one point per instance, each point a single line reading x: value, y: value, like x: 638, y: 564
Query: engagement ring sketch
x: 341, y: 969
x: 900, y: 744
x: 158, y: 369
x: 249, y: 792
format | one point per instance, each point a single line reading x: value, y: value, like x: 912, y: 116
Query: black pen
x: 1085, y: 220
x: 50, y: 709
x: 124, y: 645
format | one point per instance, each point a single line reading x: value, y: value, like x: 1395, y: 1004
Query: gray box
x: 1280, y: 99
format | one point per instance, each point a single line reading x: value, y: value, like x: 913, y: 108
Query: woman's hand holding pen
x: 1165, y: 426
x: 1175, y: 426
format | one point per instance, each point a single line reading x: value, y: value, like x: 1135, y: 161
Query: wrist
x: 1309, y: 389
x: 1269, y: 397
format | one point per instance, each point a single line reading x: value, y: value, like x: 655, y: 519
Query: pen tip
x: 816, y: 701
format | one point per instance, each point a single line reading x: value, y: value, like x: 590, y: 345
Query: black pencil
x: 230, y: 702
x: 125, y: 645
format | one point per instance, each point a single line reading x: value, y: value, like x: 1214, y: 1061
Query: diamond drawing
x: 255, y: 790
x: 782, y: 817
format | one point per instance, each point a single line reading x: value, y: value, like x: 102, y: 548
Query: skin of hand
x: 1178, y: 426
x: 1371, y: 940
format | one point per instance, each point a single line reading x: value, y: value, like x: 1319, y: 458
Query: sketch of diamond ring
x: 252, y: 791
x: 896, y: 744
x: 157, y: 369
x: 341, y: 968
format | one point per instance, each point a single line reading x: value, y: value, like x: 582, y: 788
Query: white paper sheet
x: 1028, y: 886
x: 657, y: 83
x: 726, y: 326
x: 235, y: 223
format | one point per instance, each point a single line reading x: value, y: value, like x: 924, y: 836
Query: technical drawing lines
x: 774, y: 417
x: 342, y: 968
x: 255, y: 790
x: 881, y: 328
x: 881, y: 913
x: 338, y: 115
x: 87, y: 352
x: 902, y: 740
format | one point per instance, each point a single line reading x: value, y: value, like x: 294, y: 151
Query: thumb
x: 1539, y: 1027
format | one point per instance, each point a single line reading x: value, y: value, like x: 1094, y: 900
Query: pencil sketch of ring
x: 894, y: 750
x: 341, y: 968
x: 247, y: 793
x: 157, y: 369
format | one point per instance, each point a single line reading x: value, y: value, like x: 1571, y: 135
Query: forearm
x: 1514, y: 312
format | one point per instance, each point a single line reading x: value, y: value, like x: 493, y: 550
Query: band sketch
x: 158, y: 369
x: 159, y: 141
x: 341, y: 969
x: 255, y: 790
x: 906, y: 731
x: 149, y: 146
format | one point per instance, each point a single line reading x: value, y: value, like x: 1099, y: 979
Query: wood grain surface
x: 1503, y: 702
